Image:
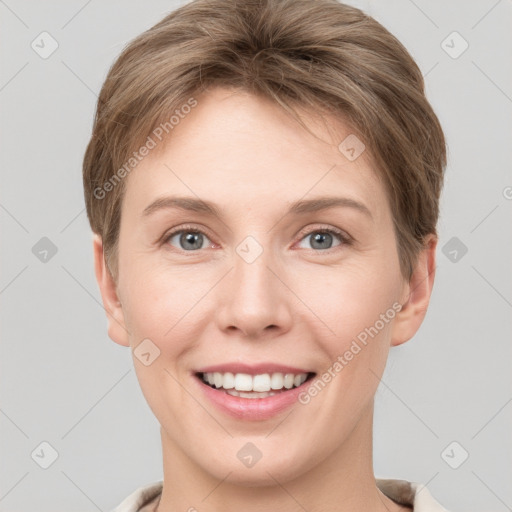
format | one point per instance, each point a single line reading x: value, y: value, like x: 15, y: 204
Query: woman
x: 263, y: 182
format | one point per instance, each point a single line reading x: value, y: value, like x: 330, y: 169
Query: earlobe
x: 416, y: 296
x: 117, y: 331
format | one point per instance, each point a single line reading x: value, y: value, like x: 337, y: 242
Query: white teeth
x: 261, y: 383
x: 298, y: 380
x: 288, y: 380
x: 217, y: 379
x: 276, y: 381
x: 243, y: 394
x: 243, y: 382
x: 229, y: 381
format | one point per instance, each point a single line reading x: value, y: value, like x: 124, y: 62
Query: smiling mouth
x: 245, y: 385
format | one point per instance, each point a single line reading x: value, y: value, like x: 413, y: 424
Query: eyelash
x: 345, y: 239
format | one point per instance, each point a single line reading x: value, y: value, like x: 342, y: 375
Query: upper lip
x: 251, y: 369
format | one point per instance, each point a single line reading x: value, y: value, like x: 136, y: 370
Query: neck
x: 342, y: 482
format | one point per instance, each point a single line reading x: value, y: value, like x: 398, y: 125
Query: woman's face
x: 267, y: 284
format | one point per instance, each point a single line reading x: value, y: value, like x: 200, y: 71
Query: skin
x: 296, y: 304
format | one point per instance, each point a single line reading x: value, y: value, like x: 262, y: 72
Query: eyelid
x: 345, y: 238
x: 187, y: 228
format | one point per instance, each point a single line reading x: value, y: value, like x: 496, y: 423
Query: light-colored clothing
x: 417, y: 496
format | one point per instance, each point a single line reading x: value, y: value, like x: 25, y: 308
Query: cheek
x: 359, y: 309
x: 159, y: 308
x: 350, y: 302
x: 163, y: 304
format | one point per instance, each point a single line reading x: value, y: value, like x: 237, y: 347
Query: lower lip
x: 252, y: 409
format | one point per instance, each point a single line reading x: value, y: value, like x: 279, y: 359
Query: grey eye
x: 322, y: 239
x: 188, y: 240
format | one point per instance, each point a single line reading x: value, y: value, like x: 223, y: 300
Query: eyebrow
x: 299, y: 207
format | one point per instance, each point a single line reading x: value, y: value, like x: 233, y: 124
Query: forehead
x: 238, y: 149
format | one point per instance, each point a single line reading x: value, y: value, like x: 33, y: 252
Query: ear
x: 416, y: 295
x: 115, y: 316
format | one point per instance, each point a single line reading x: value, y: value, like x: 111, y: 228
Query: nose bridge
x: 254, y: 298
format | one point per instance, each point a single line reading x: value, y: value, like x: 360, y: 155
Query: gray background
x: 64, y: 382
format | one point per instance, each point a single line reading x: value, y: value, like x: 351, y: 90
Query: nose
x: 253, y: 299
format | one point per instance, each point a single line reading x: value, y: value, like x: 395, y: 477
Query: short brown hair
x: 317, y: 54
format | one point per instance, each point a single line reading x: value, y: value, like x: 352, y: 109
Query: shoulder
x: 412, y: 494
x: 139, y: 498
x: 403, y: 492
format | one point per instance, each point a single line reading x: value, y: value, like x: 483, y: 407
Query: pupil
x: 192, y: 238
x: 319, y: 238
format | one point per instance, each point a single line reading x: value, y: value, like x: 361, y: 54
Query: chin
x: 264, y: 472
